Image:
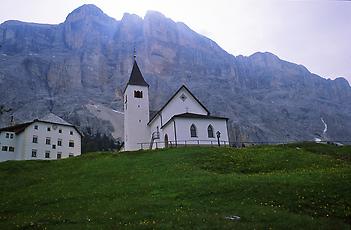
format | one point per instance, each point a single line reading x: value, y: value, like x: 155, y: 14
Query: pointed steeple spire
x: 136, y: 78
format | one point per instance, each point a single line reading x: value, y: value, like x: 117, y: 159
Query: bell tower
x: 136, y: 110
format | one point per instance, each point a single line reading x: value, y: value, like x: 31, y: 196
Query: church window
x: 4, y: 148
x: 210, y: 131
x: 11, y: 149
x: 47, y: 154
x: 138, y: 94
x: 35, y: 139
x: 193, y: 131
x: 48, y: 141
x: 71, y: 143
x: 183, y: 97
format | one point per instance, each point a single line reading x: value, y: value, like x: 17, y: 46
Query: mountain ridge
x: 83, y: 64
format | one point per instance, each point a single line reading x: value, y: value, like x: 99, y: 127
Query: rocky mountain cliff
x: 78, y: 69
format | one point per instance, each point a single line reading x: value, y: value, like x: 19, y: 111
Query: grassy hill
x: 286, y: 187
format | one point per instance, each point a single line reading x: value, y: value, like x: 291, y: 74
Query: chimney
x: 12, y: 122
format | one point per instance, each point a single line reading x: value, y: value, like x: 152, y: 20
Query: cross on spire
x: 134, y: 53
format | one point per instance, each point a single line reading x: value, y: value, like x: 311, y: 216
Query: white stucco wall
x: 24, y: 145
x: 54, y: 136
x: 178, y: 106
x: 136, y: 117
x: 183, y: 130
x: 7, y: 155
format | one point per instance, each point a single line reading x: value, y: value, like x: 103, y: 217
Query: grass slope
x: 285, y: 187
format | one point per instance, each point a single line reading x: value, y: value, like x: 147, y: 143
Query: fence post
x: 156, y: 145
x: 185, y: 143
x: 141, y: 145
x: 198, y: 142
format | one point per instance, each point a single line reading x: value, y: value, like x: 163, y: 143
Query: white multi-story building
x: 47, y: 138
x: 183, y: 120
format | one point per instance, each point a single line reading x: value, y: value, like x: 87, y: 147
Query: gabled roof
x: 54, y: 119
x: 136, y: 78
x: 16, y: 128
x: 50, y: 119
x: 182, y: 87
x: 194, y: 115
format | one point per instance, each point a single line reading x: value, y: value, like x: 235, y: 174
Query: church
x: 182, y: 121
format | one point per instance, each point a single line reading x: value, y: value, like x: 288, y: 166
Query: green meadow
x: 297, y: 186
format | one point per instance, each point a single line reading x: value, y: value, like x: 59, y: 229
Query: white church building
x: 47, y: 138
x: 183, y: 120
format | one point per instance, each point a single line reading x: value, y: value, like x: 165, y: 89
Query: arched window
x: 193, y: 131
x: 138, y: 94
x: 210, y: 131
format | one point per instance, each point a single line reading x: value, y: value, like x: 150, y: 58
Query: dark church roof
x: 195, y: 115
x: 136, y: 78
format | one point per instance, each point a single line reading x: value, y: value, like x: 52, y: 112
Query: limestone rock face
x: 78, y: 70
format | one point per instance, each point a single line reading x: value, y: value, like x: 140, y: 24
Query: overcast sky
x: 314, y: 33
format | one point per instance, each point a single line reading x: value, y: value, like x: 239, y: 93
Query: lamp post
x: 218, y: 136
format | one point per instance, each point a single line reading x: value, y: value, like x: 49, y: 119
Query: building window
x: 4, y: 148
x: 138, y: 94
x: 210, y: 131
x: 70, y: 155
x: 193, y: 131
x: 11, y: 136
x: 53, y: 146
x: 48, y: 141
x: 11, y: 149
x: 7, y: 135
x: 47, y: 154
x: 60, y: 130
x: 70, y: 132
x: 59, y: 155
x: 48, y: 129
x: 34, y: 153
x: 59, y: 142
x: 36, y: 127
x: 35, y: 139
x: 71, y: 144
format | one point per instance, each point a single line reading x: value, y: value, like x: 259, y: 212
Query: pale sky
x: 314, y: 33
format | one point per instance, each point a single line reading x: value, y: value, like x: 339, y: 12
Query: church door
x: 166, y: 141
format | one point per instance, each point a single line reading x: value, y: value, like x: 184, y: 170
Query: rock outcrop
x: 86, y: 60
